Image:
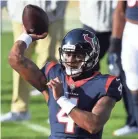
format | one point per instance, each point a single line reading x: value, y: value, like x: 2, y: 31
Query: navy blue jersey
x: 132, y: 10
x: 84, y: 93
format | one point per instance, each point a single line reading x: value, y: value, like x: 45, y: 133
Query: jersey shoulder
x: 51, y: 69
x: 112, y: 85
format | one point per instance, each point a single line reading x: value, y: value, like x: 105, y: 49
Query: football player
x: 80, y: 100
x: 125, y: 27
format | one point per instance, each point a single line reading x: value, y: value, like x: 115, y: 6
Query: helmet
x: 80, y: 41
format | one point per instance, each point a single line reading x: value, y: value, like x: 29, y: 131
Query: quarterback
x: 80, y: 100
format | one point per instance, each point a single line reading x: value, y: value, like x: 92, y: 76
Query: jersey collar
x: 79, y: 83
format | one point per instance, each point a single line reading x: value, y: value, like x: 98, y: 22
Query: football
x: 35, y: 20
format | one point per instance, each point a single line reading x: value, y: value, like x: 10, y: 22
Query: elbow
x: 14, y: 60
x: 94, y: 128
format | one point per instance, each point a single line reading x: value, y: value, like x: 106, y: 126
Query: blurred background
x: 38, y: 126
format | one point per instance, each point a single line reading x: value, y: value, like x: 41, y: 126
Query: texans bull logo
x: 88, y: 39
x: 92, y: 41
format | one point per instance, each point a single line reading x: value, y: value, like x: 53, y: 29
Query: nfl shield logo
x: 72, y: 86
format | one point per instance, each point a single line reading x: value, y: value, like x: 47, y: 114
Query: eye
x: 79, y: 56
x: 68, y: 54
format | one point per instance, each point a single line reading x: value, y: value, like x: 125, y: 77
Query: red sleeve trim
x: 109, y: 81
x: 50, y: 65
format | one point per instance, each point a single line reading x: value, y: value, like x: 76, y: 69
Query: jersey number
x: 63, y: 118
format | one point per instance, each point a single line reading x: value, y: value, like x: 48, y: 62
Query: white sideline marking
x: 34, y: 127
x: 37, y: 128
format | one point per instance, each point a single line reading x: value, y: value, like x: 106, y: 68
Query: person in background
x: 124, y: 34
x: 45, y: 50
x: 96, y: 15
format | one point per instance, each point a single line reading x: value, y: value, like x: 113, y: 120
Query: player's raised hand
x: 36, y: 36
x: 56, y: 86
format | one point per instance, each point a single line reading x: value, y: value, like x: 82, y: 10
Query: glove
x: 114, y: 60
x: 113, y: 64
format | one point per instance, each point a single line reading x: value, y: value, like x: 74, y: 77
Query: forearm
x: 87, y: 120
x: 95, y: 120
x: 25, y: 67
x: 84, y: 119
x: 118, y: 23
x: 117, y: 29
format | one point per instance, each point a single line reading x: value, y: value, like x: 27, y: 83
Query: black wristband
x: 115, y: 45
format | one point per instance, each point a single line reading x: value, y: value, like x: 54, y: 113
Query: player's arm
x: 117, y: 27
x: 90, y: 121
x: 114, y: 51
x: 119, y: 20
x: 24, y: 66
x: 94, y: 121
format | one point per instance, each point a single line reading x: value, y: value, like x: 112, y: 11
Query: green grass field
x: 37, y: 127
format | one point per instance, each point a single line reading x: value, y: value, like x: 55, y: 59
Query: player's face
x: 73, y: 59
